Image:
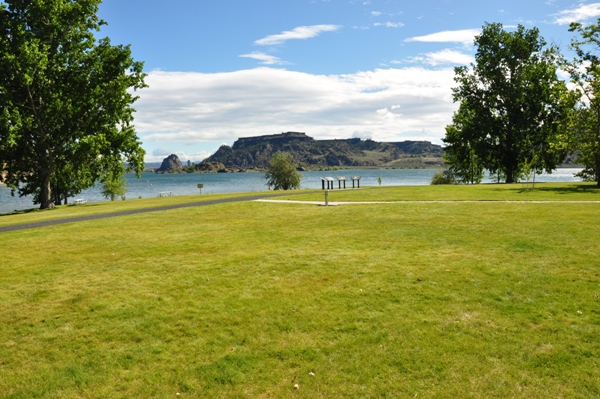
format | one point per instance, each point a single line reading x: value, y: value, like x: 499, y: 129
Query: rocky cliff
x: 255, y: 153
x: 170, y: 164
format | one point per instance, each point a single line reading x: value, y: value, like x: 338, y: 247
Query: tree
x: 282, y: 173
x: 113, y: 182
x: 460, y: 152
x: 511, y: 105
x: 65, y: 98
x: 584, y: 131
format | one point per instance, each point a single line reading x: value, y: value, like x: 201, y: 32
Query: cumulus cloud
x: 390, y: 24
x: 582, y: 13
x: 385, y: 104
x: 443, y: 57
x: 464, y: 36
x: 266, y: 59
x: 301, y: 32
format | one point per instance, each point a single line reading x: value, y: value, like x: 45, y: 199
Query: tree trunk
x: 597, y: 167
x: 510, y: 175
x: 46, y: 191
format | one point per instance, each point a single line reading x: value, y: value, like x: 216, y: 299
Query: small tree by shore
x: 114, y: 183
x: 282, y: 173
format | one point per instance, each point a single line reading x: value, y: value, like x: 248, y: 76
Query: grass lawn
x: 244, y: 300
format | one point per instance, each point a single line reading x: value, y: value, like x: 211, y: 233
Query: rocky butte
x: 170, y: 164
x: 254, y: 153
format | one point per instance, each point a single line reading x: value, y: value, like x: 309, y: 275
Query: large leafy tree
x: 584, y: 131
x: 282, y: 173
x: 511, y: 103
x: 65, y: 98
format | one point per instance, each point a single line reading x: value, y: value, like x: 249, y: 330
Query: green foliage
x: 114, y: 183
x: 511, y: 106
x: 584, y: 129
x: 189, y: 167
x: 443, y: 177
x: 461, y: 152
x: 65, y: 98
x: 282, y: 173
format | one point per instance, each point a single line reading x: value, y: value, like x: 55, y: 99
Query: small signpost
x: 200, y: 186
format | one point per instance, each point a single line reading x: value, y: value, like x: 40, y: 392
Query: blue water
x: 150, y: 184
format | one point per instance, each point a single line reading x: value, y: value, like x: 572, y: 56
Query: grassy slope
x: 246, y: 299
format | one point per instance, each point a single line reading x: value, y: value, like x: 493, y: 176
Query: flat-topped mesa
x: 256, y: 152
x: 419, y: 147
x: 282, y: 138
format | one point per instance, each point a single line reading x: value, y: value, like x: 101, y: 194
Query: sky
x: 219, y: 70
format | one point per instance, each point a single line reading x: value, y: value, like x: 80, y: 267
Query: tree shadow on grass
x: 21, y: 212
x: 33, y: 210
x: 581, y: 188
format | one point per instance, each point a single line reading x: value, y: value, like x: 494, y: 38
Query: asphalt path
x: 260, y: 198
x: 55, y: 222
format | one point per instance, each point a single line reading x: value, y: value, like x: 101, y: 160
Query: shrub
x: 443, y: 177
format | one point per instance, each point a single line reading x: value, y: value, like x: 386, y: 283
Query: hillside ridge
x: 250, y: 153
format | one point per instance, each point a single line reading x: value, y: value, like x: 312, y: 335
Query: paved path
x: 257, y: 198
x: 55, y: 222
x: 335, y: 203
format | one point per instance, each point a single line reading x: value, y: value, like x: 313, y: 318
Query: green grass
x: 481, y: 192
x: 436, y: 300
x: 94, y: 208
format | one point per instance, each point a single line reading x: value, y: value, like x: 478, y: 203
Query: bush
x: 443, y: 177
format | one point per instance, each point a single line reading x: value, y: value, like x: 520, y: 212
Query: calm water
x: 150, y: 184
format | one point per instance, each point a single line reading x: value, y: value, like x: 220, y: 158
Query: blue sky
x: 380, y: 69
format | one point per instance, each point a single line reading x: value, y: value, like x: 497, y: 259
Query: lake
x: 150, y: 184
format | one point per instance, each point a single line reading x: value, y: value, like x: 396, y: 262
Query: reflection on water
x: 150, y: 184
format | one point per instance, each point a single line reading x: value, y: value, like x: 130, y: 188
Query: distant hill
x: 151, y: 166
x: 255, y: 152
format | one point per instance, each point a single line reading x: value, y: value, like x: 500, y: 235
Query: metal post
x: 326, y: 197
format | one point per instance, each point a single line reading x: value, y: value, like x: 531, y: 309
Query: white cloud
x: 192, y: 108
x: 265, y: 58
x: 465, y: 36
x: 443, y: 57
x: 301, y: 32
x: 182, y: 155
x: 390, y: 24
x: 162, y: 152
x: 582, y: 13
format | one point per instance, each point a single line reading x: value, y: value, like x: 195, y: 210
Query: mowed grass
x: 97, y: 208
x: 401, y: 300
